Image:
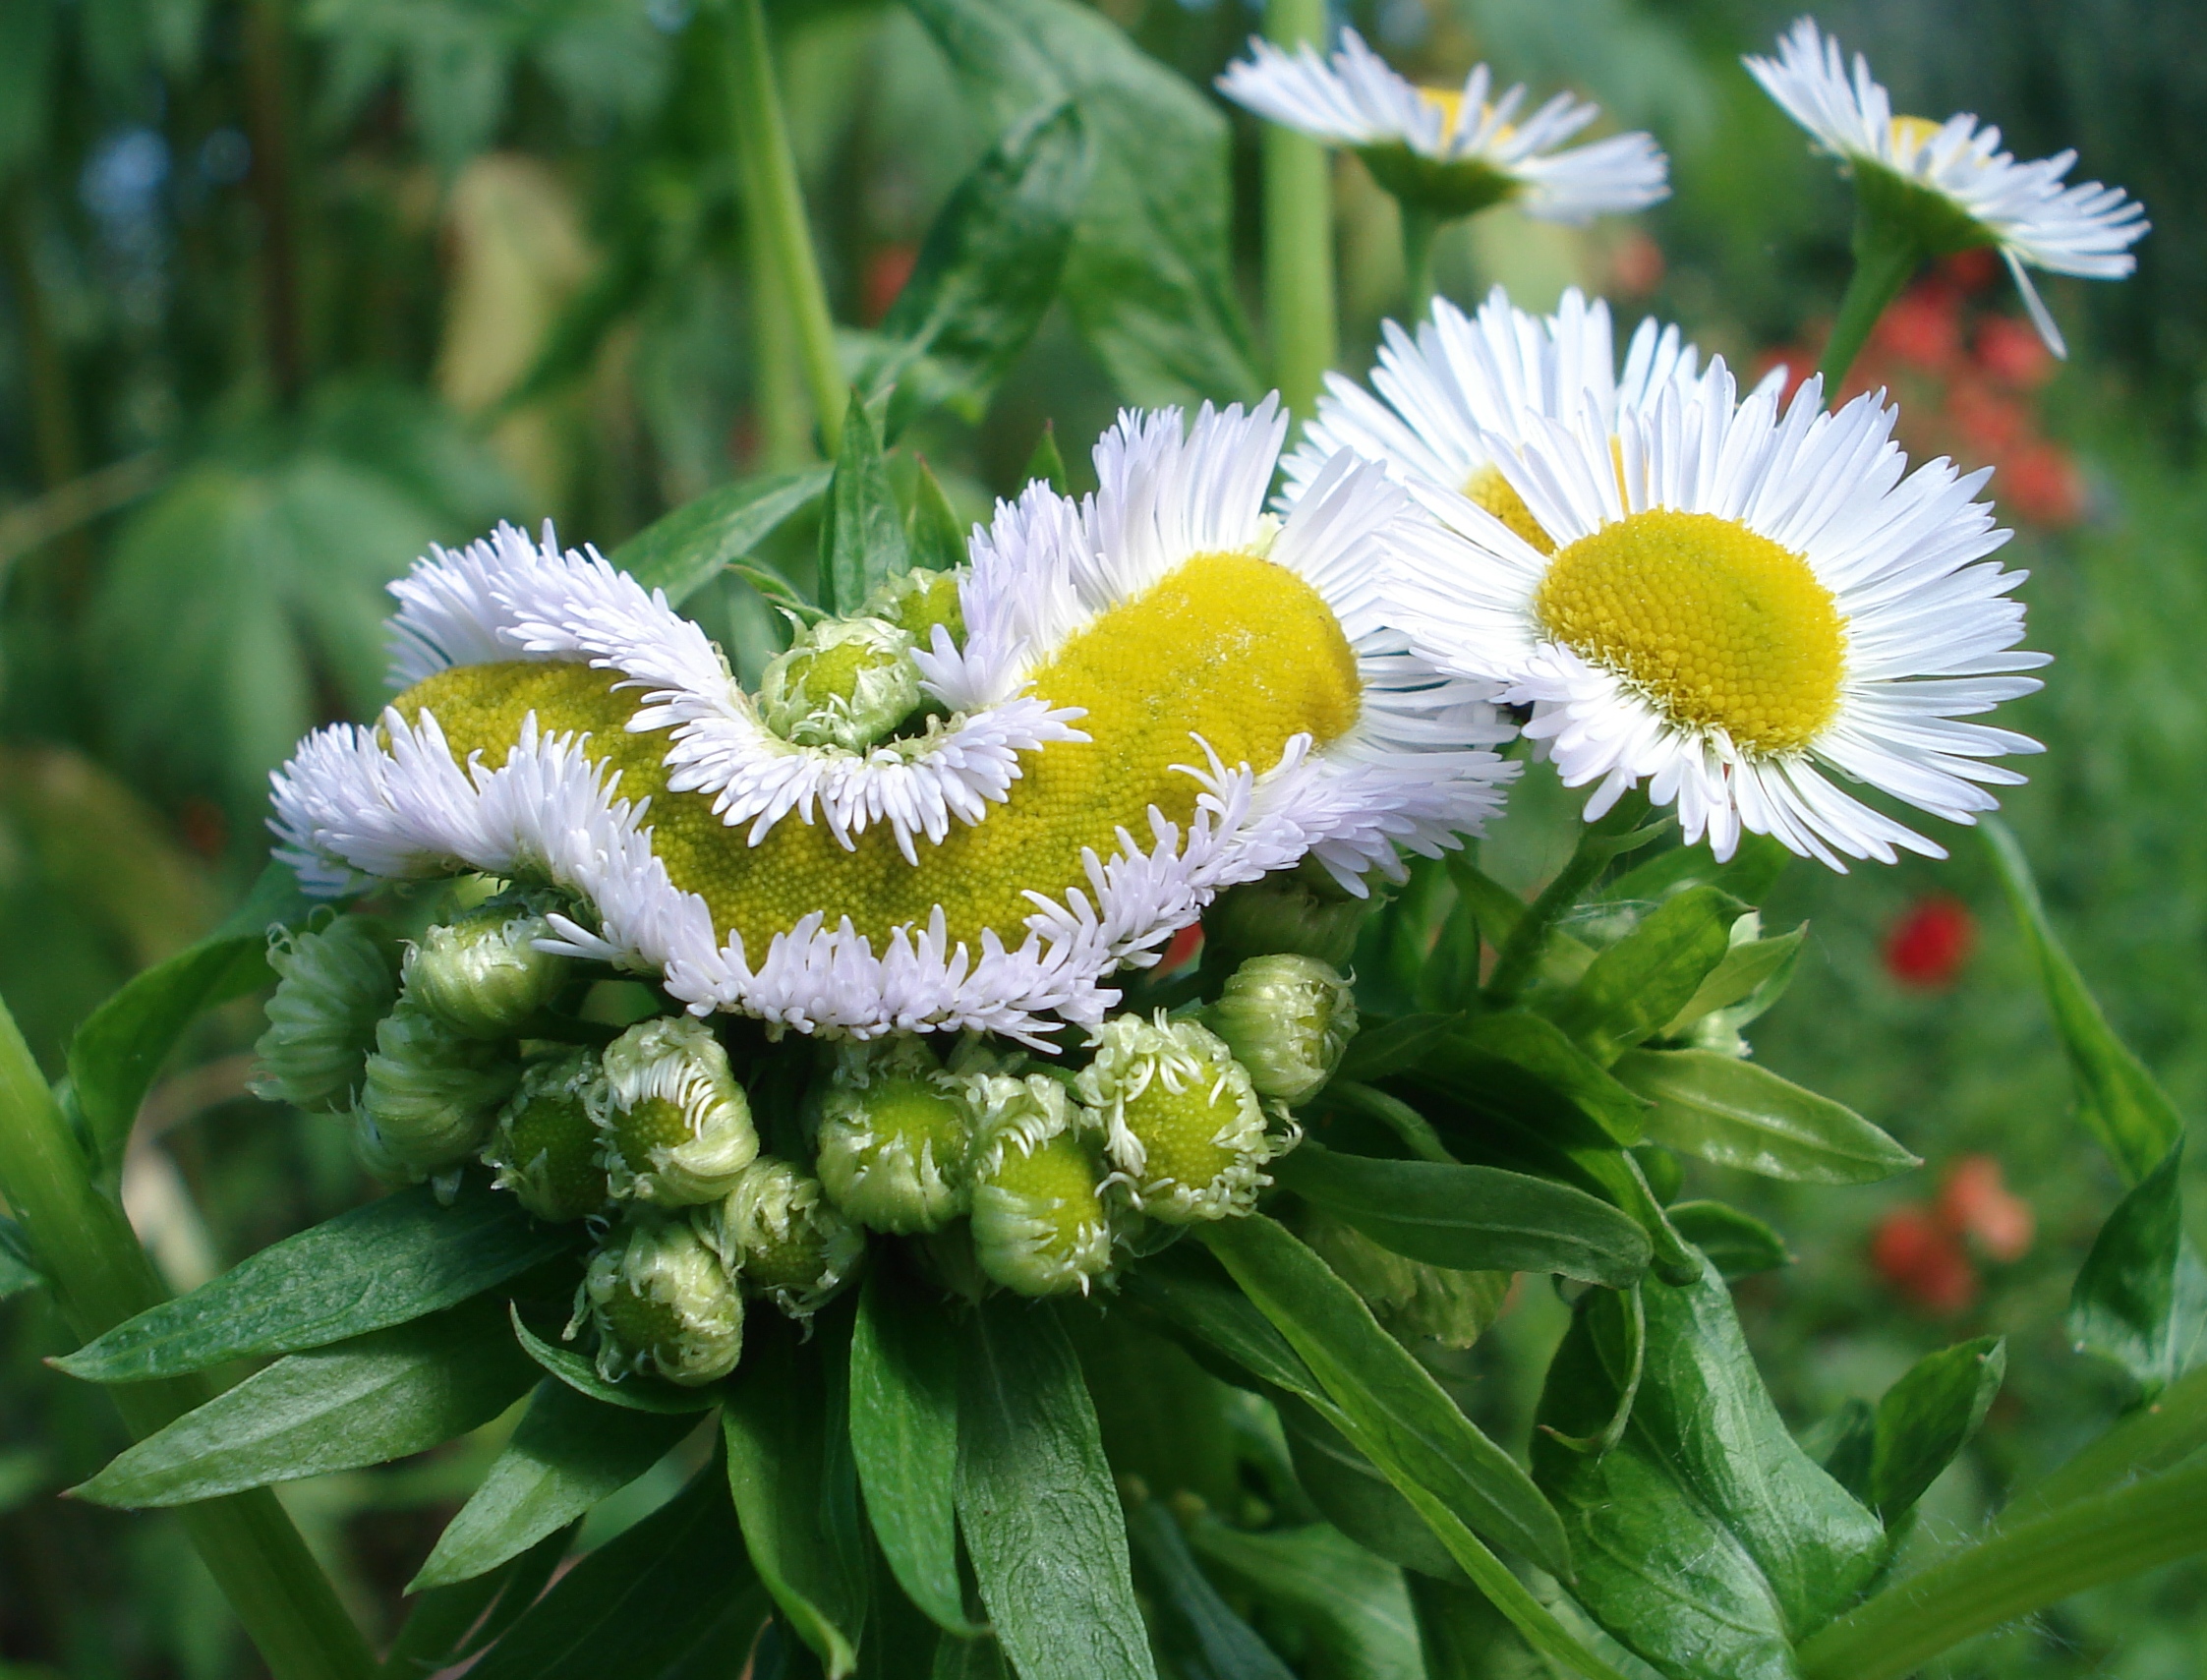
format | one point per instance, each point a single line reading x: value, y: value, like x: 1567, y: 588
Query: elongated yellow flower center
x: 1488, y: 489
x: 1228, y: 647
x: 1911, y: 135
x: 1721, y: 627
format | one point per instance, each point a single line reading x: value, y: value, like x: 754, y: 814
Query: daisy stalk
x: 1299, y: 293
x: 781, y: 240
x: 102, y: 1276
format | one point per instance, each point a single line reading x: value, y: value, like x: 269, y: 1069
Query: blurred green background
x: 290, y: 289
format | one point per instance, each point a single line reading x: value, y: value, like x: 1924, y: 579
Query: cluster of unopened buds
x: 1015, y: 1170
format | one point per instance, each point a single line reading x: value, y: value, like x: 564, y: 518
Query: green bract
x: 546, y: 1148
x: 430, y: 1095
x: 1040, y: 1225
x: 662, y: 1301
x: 332, y: 987
x: 784, y: 1238
x: 675, y: 1127
x: 895, y: 1129
x: 482, y: 975
x: 1287, y: 1020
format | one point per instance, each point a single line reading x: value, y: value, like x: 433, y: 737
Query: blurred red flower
x: 1636, y: 265
x: 887, y: 267
x: 1974, y: 1201
x: 2041, y: 484
x: 1991, y: 421
x: 1921, y: 1261
x: 2012, y: 350
x: 1973, y: 269
x: 1930, y: 944
x: 1923, y: 327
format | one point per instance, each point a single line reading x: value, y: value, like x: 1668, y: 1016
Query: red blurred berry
x: 1974, y: 1201
x: 204, y: 826
x: 1636, y: 266
x: 1798, y: 361
x: 1921, y: 1261
x: 2041, y: 484
x: 887, y: 267
x: 2012, y: 350
x: 1930, y: 944
x: 1973, y: 269
x: 1991, y: 421
x: 1923, y: 327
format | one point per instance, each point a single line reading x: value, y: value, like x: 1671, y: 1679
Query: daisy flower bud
x: 1287, y: 1020
x: 1288, y: 912
x: 1039, y: 1223
x: 333, y: 985
x: 1183, y: 1124
x: 662, y: 1301
x: 676, y: 1127
x: 784, y: 1238
x: 915, y: 602
x: 482, y: 974
x: 546, y: 1147
x: 894, y: 1133
x: 848, y: 683
x: 430, y: 1094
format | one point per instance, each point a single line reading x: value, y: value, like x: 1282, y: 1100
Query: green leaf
x: 399, y: 1258
x: 1636, y: 986
x: 861, y: 534
x: 2140, y: 1297
x: 970, y: 1659
x: 116, y: 1053
x: 1738, y: 1243
x: 1036, y: 1501
x: 685, y: 549
x: 1737, y: 1114
x: 367, y: 1401
x: 671, y: 1588
x: 1754, y: 869
x: 1387, y: 1395
x: 19, y: 1266
x: 904, y: 1436
x: 2147, y: 1441
x: 1927, y: 1417
x: 1755, y: 971
x: 1351, y: 1492
x: 1844, y: 1444
x: 1708, y: 1543
x: 1470, y: 1218
x: 1348, y: 1605
x: 2130, y: 1114
x: 1150, y: 279
x: 449, y: 1624
x: 933, y: 536
x: 565, y: 1455
x: 634, y: 1393
x: 1464, y: 1636
x: 1386, y: 1049
x: 1046, y: 464
x: 784, y: 1418
x: 1194, y: 1622
x: 1520, y: 1064
x: 990, y: 266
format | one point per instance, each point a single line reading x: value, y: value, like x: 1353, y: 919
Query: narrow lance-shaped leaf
x: 1348, y: 1605
x: 1036, y: 1501
x: 566, y: 1454
x: 1737, y: 1114
x: 449, y: 1624
x: 1738, y: 1243
x: 861, y: 533
x: 1757, y: 969
x: 1046, y: 464
x: 2140, y: 1299
x: 903, y: 1437
x: 19, y: 1267
x: 397, y: 1259
x: 2131, y: 1114
x: 1526, y: 1066
x: 1634, y: 988
x: 685, y: 549
x: 367, y: 1401
x: 1927, y: 1417
x: 1472, y: 1218
x: 635, y: 1393
x: 1197, y: 1620
x: 934, y: 540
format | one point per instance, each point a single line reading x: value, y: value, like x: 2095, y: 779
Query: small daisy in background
x: 1447, y: 152
x: 1925, y: 189
x: 1737, y: 599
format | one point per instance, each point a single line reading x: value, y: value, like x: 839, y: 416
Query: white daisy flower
x: 1949, y: 182
x: 1438, y: 404
x: 1244, y: 699
x: 1738, y: 601
x: 1452, y: 151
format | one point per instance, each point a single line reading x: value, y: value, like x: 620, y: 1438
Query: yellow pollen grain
x: 1178, y: 1128
x: 1488, y: 489
x: 1717, y: 625
x: 1228, y: 647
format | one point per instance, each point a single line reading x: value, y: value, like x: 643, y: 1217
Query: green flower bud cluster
x: 852, y: 682
x: 333, y: 985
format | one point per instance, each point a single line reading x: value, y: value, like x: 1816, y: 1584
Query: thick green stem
x: 774, y: 202
x: 2148, y: 1441
x: 2040, y: 1562
x: 1419, y: 225
x: 53, y: 409
x: 1617, y: 830
x: 273, y: 184
x: 1298, y: 306
x: 1886, y: 258
x: 101, y: 1277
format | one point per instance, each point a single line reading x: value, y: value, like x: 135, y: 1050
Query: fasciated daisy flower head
x: 1451, y: 151
x: 1949, y: 183
x: 1438, y: 403
x: 1738, y: 601
x: 1137, y: 701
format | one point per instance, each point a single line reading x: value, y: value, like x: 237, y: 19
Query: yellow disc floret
x: 1228, y: 647
x: 1911, y: 135
x: 1488, y: 489
x: 1717, y: 625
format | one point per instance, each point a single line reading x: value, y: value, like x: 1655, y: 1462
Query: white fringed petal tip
x: 1922, y: 630
x: 1415, y: 770
x: 1355, y: 100
x: 2023, y: 208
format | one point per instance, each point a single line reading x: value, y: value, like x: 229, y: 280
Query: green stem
x: 1419, y: 225
x: 1298, y: 303
x: 2148, y: 1441
x: 2036, y: 1564
x: 1886, y: 258
x: 780, y: 236
x: 268, y: 84
x: 1618, y: 830
x: 53, y: 409
x: 101, y: 1277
